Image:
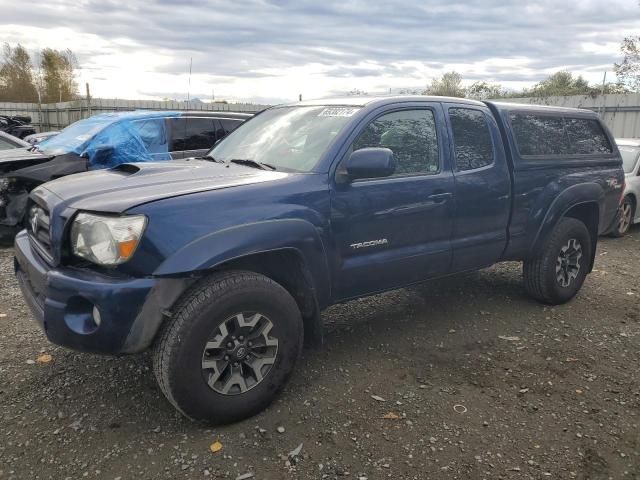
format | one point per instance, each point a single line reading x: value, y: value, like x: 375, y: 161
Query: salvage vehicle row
x: 103, y: 141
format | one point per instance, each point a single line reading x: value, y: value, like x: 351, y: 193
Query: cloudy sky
x: 273, y: 50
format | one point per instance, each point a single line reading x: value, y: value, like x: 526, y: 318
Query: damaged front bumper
x: 89, y: 311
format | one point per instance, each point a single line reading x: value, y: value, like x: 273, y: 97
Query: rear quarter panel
x: 544, y: 195
x: 546, y: 188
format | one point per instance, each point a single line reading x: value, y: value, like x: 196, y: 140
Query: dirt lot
x: 481, y: 382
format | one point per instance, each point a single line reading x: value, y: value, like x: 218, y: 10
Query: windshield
x: 73, y: 138
x: 629, y: 157
x: 287, y: 138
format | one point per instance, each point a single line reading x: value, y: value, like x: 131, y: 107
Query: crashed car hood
x: 19, y: 154
x: 128, y: 185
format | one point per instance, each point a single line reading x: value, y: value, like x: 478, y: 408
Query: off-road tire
x: 177, y: 355
x: 540, y: 277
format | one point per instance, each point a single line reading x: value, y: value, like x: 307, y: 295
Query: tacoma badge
x: 370, y: 243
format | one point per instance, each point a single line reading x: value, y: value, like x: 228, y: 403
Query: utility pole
x: 40, y: 122
x: 189, y: 88
x: 604, y: 103
x: 88, y: 99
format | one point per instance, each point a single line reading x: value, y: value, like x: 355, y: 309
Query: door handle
x: 440, y: 197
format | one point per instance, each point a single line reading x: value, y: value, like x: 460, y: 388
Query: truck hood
x: 21, y: 154
x: 128, y: 185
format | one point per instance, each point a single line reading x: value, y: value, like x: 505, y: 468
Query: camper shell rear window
x: 552, y: 135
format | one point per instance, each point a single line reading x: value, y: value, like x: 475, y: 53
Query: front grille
x: 39, y: 228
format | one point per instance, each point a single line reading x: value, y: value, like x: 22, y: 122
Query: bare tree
x: 628, y: 71
x: 16, y: 75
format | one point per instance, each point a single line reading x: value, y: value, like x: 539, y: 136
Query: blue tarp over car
x: 109, y: 139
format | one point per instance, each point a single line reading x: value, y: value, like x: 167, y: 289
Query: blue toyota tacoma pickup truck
x: 223, y: 264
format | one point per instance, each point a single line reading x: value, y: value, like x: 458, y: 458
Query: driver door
x: 396, y: 230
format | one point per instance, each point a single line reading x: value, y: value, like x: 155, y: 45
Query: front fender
x: 232, y: 243
x: 570, y: 197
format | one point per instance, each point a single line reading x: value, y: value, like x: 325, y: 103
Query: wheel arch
x: 583, y: 201
x: 290, y: 252
x: 589, y: 214
x: 288, y: 268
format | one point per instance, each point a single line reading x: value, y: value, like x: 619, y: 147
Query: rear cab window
x: 542, y: 135
x: 471, y: 137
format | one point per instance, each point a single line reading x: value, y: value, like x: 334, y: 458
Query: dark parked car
x: 103, y: 141
x: 8, y: 142
x: 18, y: 126
x: 223, y: 266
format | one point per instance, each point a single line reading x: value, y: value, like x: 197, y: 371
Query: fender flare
x: 216, y: 248
x: 569, y: 198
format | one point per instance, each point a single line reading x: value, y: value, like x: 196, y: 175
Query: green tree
x: 628, y: 72
x: 484, y: 91
x: 561, y: 83
x: 58, y: 75
x: 448, y: 85
x: 565, y: 83
x: 16, y: 76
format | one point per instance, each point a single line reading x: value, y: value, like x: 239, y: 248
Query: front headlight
x: 106, y: 240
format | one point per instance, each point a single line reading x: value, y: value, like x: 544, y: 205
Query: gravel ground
x: 460, y: 378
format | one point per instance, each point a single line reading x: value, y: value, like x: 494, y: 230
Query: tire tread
x: 536, y: 269
x: 211, y: 288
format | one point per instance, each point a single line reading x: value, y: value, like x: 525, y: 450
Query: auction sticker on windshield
x: 337, y: 112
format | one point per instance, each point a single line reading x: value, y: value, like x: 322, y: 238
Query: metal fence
x: 621, y: 112
x: 56, y: 116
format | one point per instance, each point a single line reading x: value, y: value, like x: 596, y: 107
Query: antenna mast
x: 189, y: 88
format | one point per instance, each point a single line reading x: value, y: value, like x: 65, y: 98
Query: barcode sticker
x: 338, y: 112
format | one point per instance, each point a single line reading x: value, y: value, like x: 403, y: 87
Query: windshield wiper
x: 252, y: 163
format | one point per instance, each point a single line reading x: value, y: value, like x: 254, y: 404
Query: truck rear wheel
x: 558, y: 271
x: 229, y: 347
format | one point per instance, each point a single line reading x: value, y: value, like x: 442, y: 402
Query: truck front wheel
x: 229, y: 347
x: 558, y: 270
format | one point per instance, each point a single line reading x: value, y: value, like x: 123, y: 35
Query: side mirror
x: 371, y: 163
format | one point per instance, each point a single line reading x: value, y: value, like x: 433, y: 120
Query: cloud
x: 280, y: 48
